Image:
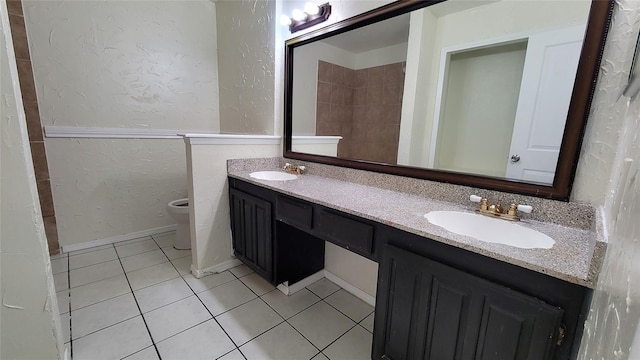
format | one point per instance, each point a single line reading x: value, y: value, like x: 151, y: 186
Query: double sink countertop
x: 575, y: 257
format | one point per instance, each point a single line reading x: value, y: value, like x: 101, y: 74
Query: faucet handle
x: 475, y: 198
x: 525, y: 208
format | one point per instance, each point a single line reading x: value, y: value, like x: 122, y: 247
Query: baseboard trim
x: 215, y: 269
x: 118, y: 238
x: 287, y: 289
x: 371, y: 300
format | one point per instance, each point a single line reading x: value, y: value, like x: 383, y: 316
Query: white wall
x: 484, y: 22
x: 30, y: 325
x: 246, y: 57
x: 592, y: 182
x: 109, y: 187
x: 615, y: 310
x: 613, y: 147
x: 352, y: 268
x: 209, y: 215
x: 121, y: 64
x: 413, y: 139
x: 136, y: 64
x: 382, y: 56
x: 479, y: 110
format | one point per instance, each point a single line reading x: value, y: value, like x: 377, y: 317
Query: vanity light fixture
x: 312, y: 15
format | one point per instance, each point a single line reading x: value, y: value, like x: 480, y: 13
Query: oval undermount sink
x: 491, y: 230
x: 272, y: 175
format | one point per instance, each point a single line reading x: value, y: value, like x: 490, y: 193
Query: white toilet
x: 179, y: 211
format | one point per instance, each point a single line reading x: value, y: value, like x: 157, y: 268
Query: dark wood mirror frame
x: 584, y: 87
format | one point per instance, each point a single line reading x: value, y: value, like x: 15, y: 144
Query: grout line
x: 301, y: 334
x: 69, y: 305
x: 95, y: 281
x: 98, y: 263
x: 293, y: 327
x: 338, y: 338
x: 348, y: 317
x: 97, y: 302
x: 106, y: 327
x: 140, y: 311
x: 87, y: 250
x: 132, y: 241
x: 321, y: 300
x: 230, y: 351
x: 212, y: 316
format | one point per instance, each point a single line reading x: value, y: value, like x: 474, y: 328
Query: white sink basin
x: 491, y: 230
x: 272, y: 175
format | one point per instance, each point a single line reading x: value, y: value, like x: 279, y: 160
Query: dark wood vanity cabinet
x: 270, y: 233
x: 434, y: 301
x: 427, y: 310
x: 252, y: 232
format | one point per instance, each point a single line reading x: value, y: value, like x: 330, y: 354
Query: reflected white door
x: 547, y: 84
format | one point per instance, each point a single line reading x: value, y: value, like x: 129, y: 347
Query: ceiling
x: 395, y: 30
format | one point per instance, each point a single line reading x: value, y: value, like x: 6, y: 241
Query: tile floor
x: 137, y: 300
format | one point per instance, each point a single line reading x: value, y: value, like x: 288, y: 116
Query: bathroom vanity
x: 439, y: 296
x: 392, y: 103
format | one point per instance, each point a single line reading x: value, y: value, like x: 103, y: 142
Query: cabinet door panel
x: 251, y: 225
x: 427, y: 310
x: 262, y: 236
x: 516, y: 326
x: 407, y: 296
x: 448, y: 321
x: 237, y: 224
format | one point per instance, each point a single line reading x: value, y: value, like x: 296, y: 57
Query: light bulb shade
x: 298, y: 15
x: 314, y: 15
x: 285, y: 20
x: 311, y: 8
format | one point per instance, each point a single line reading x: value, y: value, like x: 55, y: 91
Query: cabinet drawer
x: 294, y: 212
x: 345, y: 231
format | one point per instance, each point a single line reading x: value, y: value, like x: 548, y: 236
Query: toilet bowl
x: 179, y: 211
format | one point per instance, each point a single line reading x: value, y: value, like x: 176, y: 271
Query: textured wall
x: 605, y: 121
x: 136, y: 64
x: 30, y: 325
x: 104, y: 187
x: 246, y: 34
x: 210, y: 219
x: 612, y: 155
x: 132, y: 64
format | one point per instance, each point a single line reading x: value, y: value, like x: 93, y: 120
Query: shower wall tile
x: 25, y: 75
x: 14, y: 7
x: 34, y: 127
x: 19, y: 35
x: 46, y: 199
x: 39, y: 157
x: 364, y: 107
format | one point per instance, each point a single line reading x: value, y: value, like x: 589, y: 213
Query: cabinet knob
x: 515, y: 158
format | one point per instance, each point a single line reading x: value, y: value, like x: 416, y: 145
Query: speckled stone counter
x: 575, y: 257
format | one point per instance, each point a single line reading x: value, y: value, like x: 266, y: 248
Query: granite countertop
x: 573, y: 258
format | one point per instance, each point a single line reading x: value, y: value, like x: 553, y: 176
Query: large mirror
x: 487, y: 93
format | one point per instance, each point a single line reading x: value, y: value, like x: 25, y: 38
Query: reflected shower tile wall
x: 364, y: 107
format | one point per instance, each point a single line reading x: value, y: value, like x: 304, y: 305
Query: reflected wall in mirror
x: 480, y: 88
